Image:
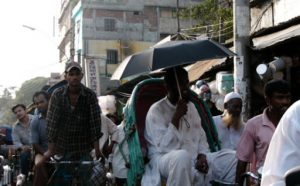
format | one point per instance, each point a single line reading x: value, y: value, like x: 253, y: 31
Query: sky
x: 25, y: 53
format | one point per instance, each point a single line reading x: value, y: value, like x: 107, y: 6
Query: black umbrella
x: 126, y: 88
x: 172, y: 53
x: 175, y: 53
x: 131, y: 65
x: 183, y: 52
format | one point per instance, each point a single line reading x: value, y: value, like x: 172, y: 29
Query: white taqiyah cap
x: 231, y: 96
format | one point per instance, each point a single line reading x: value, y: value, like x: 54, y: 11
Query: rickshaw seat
x: 147, y: 95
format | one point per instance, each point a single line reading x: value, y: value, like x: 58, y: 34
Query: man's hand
x: 201, y: 163
x: 240, y: 169
x: 98, y: 154
x: 46, y: 156
x: 181, y: 110
x: 110, y: 147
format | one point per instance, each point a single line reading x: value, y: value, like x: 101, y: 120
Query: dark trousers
x: 41, y: 171
x: 25, y: 162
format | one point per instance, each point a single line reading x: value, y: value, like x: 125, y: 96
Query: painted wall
x: 97, y: 49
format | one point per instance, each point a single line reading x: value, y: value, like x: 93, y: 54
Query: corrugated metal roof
x: 196, y: 70
x: 265, y: 41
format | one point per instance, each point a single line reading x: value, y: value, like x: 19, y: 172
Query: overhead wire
x: 205, y: 26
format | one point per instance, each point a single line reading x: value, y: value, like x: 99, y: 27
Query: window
x: 109, y: 25
x: 112, y: 56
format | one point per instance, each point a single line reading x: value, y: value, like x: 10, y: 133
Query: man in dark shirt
x: 73, y: 119
x: 39, y: 139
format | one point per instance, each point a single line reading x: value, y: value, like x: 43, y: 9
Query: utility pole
x: 177, y: 16
x: 241, y: 19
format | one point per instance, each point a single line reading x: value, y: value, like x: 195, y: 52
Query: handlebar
x: 251, y: 175
x: 56, y: 161
x: 255, y: 179
x: 223, y: 183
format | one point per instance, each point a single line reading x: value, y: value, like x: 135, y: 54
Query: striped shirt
x: 73, y: 130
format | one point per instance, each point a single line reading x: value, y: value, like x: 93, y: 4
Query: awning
x: 265, y: 41
x: 196, y: 70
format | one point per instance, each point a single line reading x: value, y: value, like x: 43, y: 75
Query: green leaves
x: 214, y: 18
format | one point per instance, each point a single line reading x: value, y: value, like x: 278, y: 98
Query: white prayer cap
x: 231, y: 96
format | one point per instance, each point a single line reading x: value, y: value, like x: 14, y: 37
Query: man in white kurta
x: 176, y: 140
x: 229, y: 125
x: 284, y: 150
x: 167, y: 145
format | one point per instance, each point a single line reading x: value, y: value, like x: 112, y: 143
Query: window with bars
x: 109, y: 25
x: 112, y: 56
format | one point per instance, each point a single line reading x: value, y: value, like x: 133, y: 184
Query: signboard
x: 93, y: 80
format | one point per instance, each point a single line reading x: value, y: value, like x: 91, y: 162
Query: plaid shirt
x: 73, y: 130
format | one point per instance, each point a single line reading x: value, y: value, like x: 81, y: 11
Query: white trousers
x: 176, y: 167
x: 179, y: 169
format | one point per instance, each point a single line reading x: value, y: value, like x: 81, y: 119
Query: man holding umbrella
x: 177, y: 144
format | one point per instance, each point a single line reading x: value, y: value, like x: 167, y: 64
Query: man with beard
x: 21, y: 136
x: 39, y: 136
x: 177, y: 144
x: 229, y: 124
x: 259, y: 130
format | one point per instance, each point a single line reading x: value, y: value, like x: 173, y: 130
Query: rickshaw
x: 143, y: 96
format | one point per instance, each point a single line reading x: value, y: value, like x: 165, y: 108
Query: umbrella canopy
x: 131, y: 65
x: 170, y: 54
x: 126, y: 88
x: 175, y: 53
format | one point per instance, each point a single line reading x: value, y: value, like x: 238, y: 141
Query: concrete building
x: 102, y: 33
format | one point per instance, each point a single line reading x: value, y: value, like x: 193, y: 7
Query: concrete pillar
x: 241, y: 19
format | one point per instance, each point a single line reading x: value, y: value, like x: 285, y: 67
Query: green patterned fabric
x: 207, y: 122
x: 137, y: 167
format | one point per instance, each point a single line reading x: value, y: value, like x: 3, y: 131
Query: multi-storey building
x: 103, y: 32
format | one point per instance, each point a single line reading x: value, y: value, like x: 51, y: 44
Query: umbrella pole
x: 177, y: 83
x: 180, y: 97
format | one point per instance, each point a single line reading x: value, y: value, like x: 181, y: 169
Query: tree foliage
x: 213, y: 17
x: 6, y: 101
x: 23, y: 95
x: 28, y: 88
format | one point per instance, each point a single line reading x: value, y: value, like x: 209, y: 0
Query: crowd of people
x: 69, y: 123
